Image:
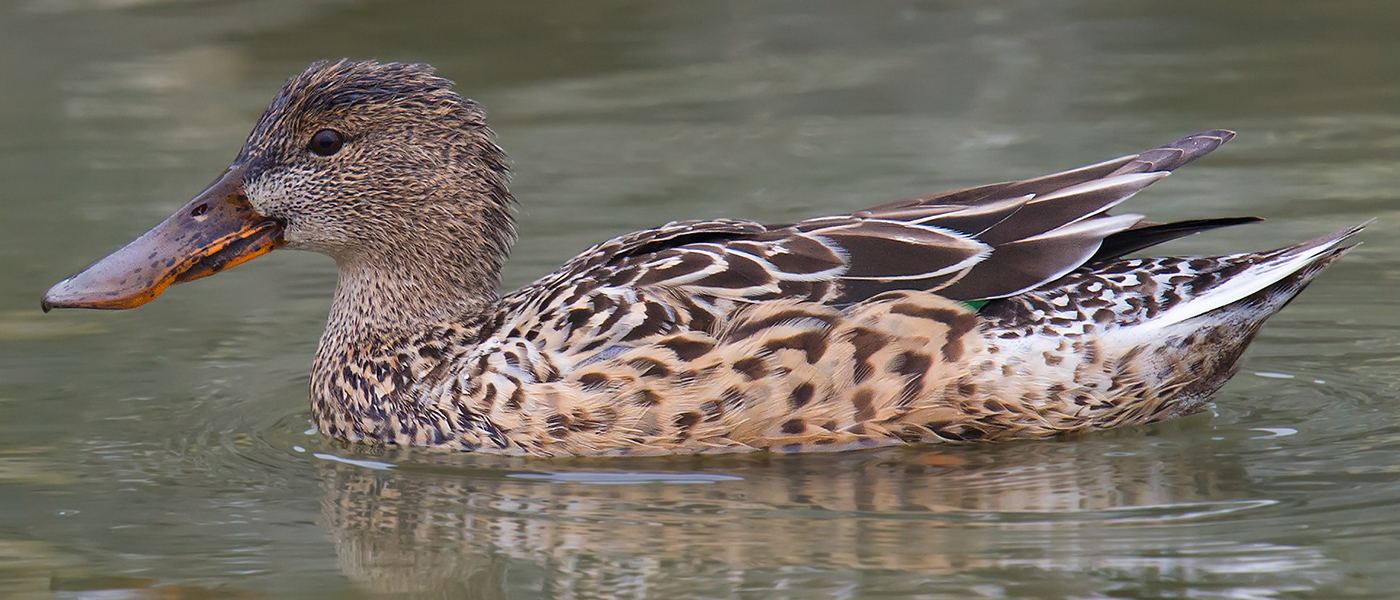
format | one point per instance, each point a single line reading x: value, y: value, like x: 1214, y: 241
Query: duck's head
x: 381, y: 166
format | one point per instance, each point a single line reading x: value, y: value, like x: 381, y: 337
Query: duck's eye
x: 326, y: 142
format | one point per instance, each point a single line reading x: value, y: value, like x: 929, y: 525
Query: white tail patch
x: 1239, y: 287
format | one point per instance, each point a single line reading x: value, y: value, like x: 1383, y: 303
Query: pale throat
x: 411, y: 290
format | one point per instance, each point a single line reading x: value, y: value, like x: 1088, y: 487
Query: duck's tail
x: 1258, y: 283
x: 1145, y: 339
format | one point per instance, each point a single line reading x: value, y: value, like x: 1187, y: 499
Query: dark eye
x: 327, y: 142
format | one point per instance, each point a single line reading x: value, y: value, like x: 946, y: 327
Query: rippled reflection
x: 863, y: 523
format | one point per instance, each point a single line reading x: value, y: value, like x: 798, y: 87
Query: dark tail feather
x: 1146, y: 235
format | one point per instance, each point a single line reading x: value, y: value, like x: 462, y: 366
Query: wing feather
x: 986, y: 242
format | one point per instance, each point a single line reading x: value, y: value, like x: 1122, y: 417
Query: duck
x: 1001, y: 312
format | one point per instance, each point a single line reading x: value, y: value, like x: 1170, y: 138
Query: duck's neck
x: 441, y: 266
x: 384, y: 314
x: 388, y: 326
x: 390, y: 301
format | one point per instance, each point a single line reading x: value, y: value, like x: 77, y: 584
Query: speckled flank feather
x: 835, y: 332
x: 901, y: 367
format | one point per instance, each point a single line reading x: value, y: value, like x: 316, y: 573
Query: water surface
x: 163, y: 452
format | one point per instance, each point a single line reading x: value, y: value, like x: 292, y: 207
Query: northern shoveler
x: 998, y: 312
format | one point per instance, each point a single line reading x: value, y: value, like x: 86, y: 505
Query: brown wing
x: 986, y: 242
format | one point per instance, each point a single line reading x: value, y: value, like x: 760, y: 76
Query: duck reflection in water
x: 447, y: 528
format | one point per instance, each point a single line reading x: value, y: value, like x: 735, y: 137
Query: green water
x: 162, y: 452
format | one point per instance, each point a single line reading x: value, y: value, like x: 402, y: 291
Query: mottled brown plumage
x: 835, y: 332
